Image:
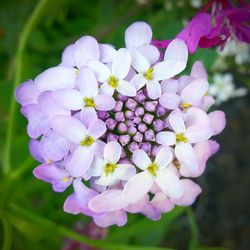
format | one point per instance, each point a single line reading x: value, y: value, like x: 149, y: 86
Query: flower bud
x: 146, y: 146
x: 140, y: 97
x: 137, y: 120
x: 129, y: 114
x: 133, y: 146
x: 118, y: 106
x: 110, y: 123
x: 150, y: 135
x: 111, y: 137
x: 138, y: 137
x: 132, y: 130
x: 122, y: 97
x: 103, y: 115
x: 148, y: 118
x: 158, y: 125
x: 151, y: 106
x: 161, y: 111
x: 119, y: 117
x: 139, y: 111
x: 142, y: 127
x: 124, y: 139
x: 122, y: 127
x: 131, y: 104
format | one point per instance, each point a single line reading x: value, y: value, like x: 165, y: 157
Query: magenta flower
x: 121, y: 127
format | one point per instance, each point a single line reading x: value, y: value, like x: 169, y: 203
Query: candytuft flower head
x: 121, y: 127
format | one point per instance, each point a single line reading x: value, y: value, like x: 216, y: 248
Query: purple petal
x: 96, y: 129
x: 104, y: 102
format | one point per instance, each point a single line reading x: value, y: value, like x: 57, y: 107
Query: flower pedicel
x: 120, y: 127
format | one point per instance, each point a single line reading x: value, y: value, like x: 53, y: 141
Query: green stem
x: 31, y: 23
x: 7, y: 232
x: 64, y: 231
x: 194, y: 242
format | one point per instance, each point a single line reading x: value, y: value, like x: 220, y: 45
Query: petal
x: 162, y: 202
x: 198, y: 70
x: 166, y: 138
x: 194, y: 91
x: 126, y: 88
x: 68, y: 98
x: 108, y: 201
x: 191, y: 191
x: 67, y: 56
x: 138, y: 81
x: 112, y: 152
x: 170, y: 100
x: 198, y: 133
x: 125, y: 171
x: 169, y: 183
x: 102, y: 72
x: 87, y: 116
x: 141, y: 159
x: 139, y: 62
x: 86, y: 48
x: 96, y: 129
x: 185, y: 154
x: 137, y: 187
x: 106, y: 89
x: 56, y: 78
x: 87, y: 83
x: 153, y: 89
x: 104, y: 102
x: 80, y: 161
x: 163, y: 157
x: 107, y: 180
x: 107, y: 53
x: 218, y: 121
x: 177, y: 53
x: 27, y: 93
x: 36, y: 150
x: 96, y: 168
x: 170, y: 85
x: 69, y: 127
x: 177, y: 123
x: 121, y: 63
x: 138, y: 34
x: 150, y: 52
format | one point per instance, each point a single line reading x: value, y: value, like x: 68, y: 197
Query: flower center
x: 181, y: 138
x: 89, y: 102
x: 152, y: 168
x: 149, y: 74
x: 65, y: 179
x: 185, y: 105
x: 109, y: 168
x: 88, y: 141
x: 113, y: 81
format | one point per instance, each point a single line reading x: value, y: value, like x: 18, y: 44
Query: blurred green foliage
x: 31, y: 213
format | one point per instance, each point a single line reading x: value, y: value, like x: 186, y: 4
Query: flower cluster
x: 120, y: 127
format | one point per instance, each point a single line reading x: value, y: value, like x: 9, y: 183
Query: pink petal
x: 137, y: 187
x: 97, y: 128
x: 198, y: 133
x: 107, y: 53
x: 170, y: 100
x: 150, y: 52
x: 170, y: 85
x: 198, y: 70
x: 191, y: 191
x: 176, y: 123
x: 108, y: 201
x: 87, y: 116
x: 67, y: 56
x: 102, y: 72
x: 126, y: 88
x: 218, y: 121
x: 138, y: 81
x: 139, y: 62
x: 138, y: 34
x: 112, y: 152
x: 153, y: 89
x: 125, y: 171
x: 104, y: 102
x: 162, y: 202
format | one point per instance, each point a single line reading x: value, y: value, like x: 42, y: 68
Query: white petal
x: 86, y: 48
x: 137, y: 187
x: 170, y: 100
x: 87, y: 83
x: 80, y: 161
x: 112, y: 152
x: 139, y: 62
x: 96, y: 168
x: 169, y: 183
x: 150, y: 52
x: 126, y: 88
x: 121, y: 63
x: 138, y: 34
x: 106, y: 89
x: 104, y: 102
x: 107, y: 53
x: 166, y: 138
x: 87, y: 116
x: 108, y: 180
x: 69, y: 127
x: 56, y: 78
x: 138, y: 81
x: 96, y: 129
x: 198, y: 133
x: 170, y: 85
x: 185, y: 154
x: 102, y: 72
x: 125, y: 171
x: 141, y: 159
x: 163, y: 157
x: 68, y: 98
x: 108, y: 201
x: 177, y: 123
x: 154, y: 89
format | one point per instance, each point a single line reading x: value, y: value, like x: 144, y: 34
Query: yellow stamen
x: 77, y: 72
x: 89, y: 102
x: 152, y: 168
x: 181, y: 138
x: 65, y: 179
x: 185, y: 105
x: 149, y: 74
x: 109, y: 168
x: 88, y: 141
x: 49, y: 161
x: 206, y: 94
x: 113, y: 81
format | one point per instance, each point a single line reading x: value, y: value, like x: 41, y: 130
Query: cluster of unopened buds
x: 121, y: 128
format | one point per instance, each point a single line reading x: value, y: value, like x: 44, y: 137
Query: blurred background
x: 32, y: 213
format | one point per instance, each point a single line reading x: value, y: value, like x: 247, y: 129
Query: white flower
x: 223, y: 88
x: 108, y: 169
x: 175, y: 60
x: 140, y: 184
x: 113, y: 79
